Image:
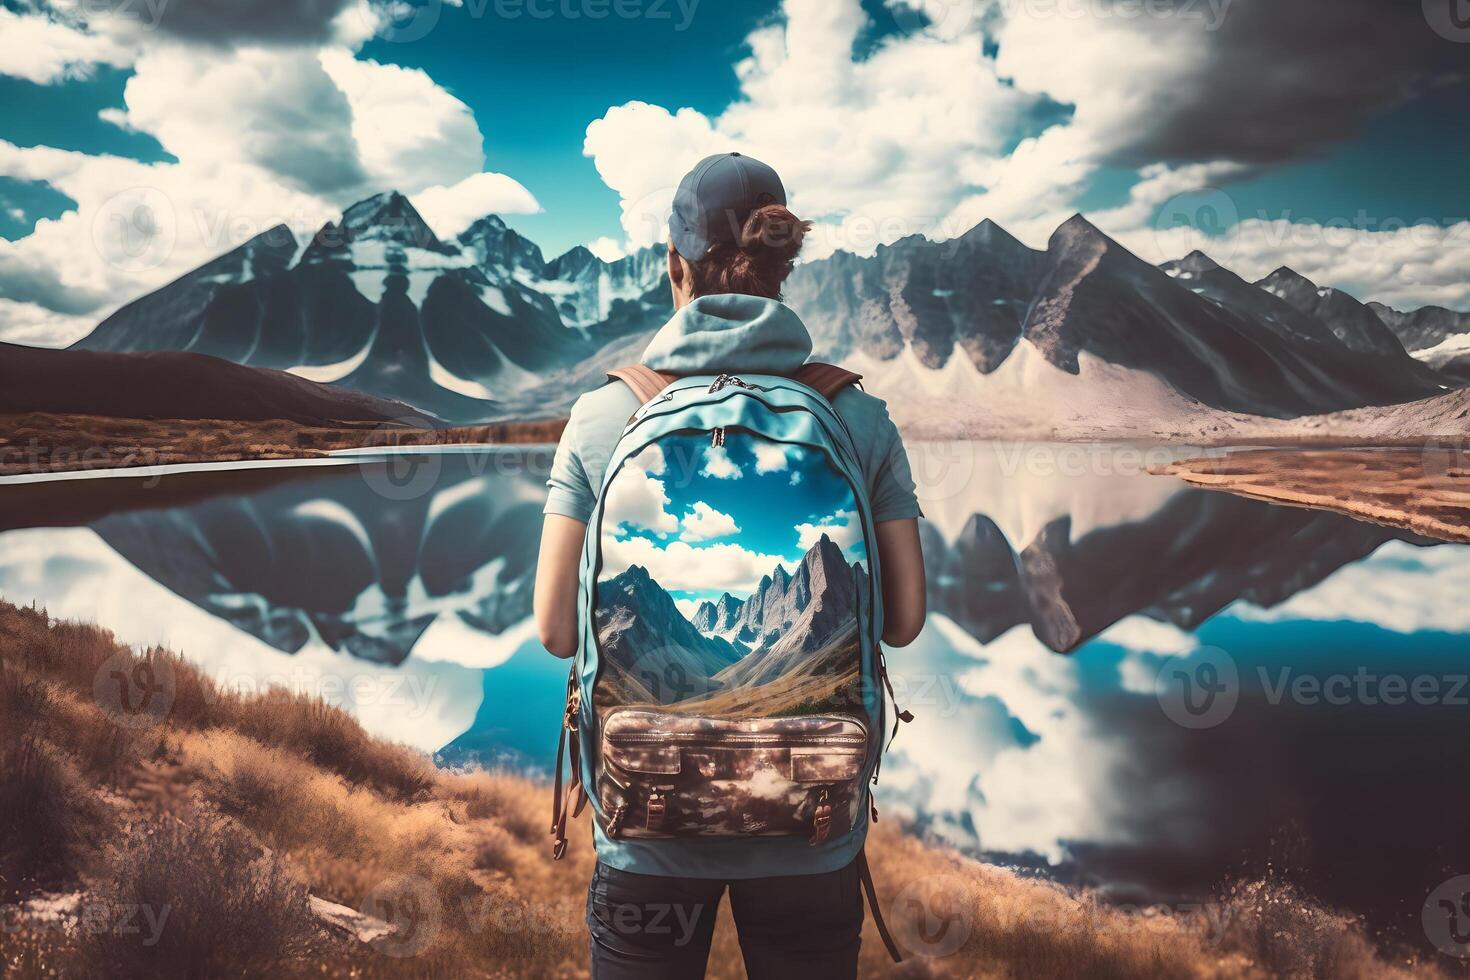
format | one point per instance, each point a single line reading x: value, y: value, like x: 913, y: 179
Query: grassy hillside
x: 222, y: 819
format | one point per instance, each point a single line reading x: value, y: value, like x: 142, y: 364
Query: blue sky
x: 707, y: 520
x: 885, y: 118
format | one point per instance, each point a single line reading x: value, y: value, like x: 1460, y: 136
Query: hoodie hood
x: 730, y: 332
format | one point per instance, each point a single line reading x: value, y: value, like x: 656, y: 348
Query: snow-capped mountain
x: 378, y: 303
x: 1207, y: 550
x: 1423, y: 328
x: 1353, y: 323
x: 986, y: 305
x: 644, y: 637
x: 297, y: 556
x: 793, y: 627
x: 484, y: 327
x: 1435, y: 335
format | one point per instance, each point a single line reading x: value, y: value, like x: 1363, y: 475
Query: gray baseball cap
x: 715, y: 198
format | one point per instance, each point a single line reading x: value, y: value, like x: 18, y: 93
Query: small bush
x: 334, y: 740
x: 197, y: 899
x: 1277, y: 927
x: 495, y: 850
x: 47, y: 816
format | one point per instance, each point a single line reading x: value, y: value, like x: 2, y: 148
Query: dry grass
x: 1425, y: 489
x: 231, y: 809
x: 41, y: 442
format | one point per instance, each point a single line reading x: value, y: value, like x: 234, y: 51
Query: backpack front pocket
x: 671, y: 775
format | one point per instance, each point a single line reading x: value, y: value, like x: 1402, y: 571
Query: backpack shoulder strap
x: 827, y: 379
x: 644, y: 380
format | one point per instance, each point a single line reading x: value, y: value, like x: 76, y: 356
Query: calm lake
x: 1239, y: 685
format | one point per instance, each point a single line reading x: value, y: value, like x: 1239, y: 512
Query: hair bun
x: 773, y: 230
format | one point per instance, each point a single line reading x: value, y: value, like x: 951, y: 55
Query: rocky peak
x: 704, y: 617
x: 994, y: 238
x: 572, y: 263
x: 1198, y: 261
x: 1284, y: 280
x: 389, y: 217
x: 498, y: 247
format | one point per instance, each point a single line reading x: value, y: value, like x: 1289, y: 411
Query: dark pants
x: 647, y: 926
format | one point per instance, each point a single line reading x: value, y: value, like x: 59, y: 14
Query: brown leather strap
x: 867, y: 877
x: 827, y: 379
x: 644, y: 380
x: 561, y: 801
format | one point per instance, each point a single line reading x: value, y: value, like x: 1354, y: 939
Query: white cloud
x: 45, y: 50
x: 450, y: 210
x: 770, y: 457
x: 687, y: 607
x: 277, y: 109
x: 1402, y: 266
x: 872, y: 150
x: 411, y: 134
x: 843, y: 528
x: 719, y: 466
x: 703, y: 523
x: 681, y: 567
x: 138, y: 225
x: 637, y: 499
x: 263, y: 135
x: 1399, y: 587
x: 916, y: 137
x: 607, y: 249
x: 651, y: 459
x: 27, y: 323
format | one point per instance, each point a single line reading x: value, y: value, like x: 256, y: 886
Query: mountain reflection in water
x: 402, y: 589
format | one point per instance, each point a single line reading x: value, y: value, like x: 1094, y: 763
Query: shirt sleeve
x: 891, y: 485
x: 570, y: 491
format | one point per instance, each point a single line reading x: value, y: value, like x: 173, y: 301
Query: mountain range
x: 484, y: 327
x: 792, y: 626
x: 289, y: 555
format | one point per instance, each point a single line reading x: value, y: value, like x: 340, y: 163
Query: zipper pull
x: 717, y: 437
x: 719, y: 383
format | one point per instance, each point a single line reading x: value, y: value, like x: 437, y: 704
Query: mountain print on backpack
x: 732, y: 582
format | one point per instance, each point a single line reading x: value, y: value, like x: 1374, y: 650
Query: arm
x: 557, y: 581
x: 902, y: 560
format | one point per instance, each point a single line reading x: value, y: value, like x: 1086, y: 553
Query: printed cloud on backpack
x: 733, y: 580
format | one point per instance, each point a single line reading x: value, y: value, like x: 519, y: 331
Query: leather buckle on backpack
x: 615, y: 819
x: 574, y: 707
x: 657, y: 808
x: 821, y: 820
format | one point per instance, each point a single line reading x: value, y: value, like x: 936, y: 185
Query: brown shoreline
x: 1424, y: 489
x: 41, y: 442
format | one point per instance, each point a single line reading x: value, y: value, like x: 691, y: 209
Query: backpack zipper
x: 717, y: 437
x: 730, y: 379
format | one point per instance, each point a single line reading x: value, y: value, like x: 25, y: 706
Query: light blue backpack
x: 726, y: 704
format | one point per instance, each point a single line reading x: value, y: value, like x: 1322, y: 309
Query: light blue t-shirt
x: 733, y: 333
